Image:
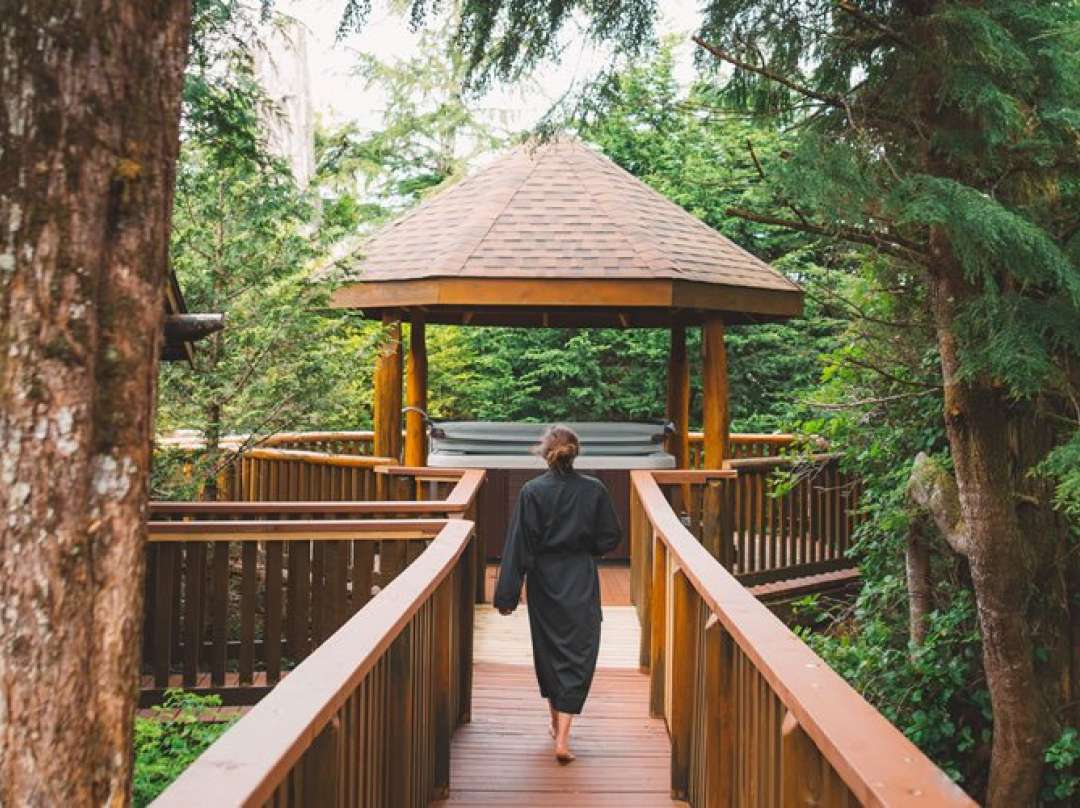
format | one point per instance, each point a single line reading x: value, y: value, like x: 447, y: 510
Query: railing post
x: 658, y: 619
x: 467, y: 609
x: 444, y: 722
x: 684, y: 626
x: 719, y: 741
x: 645, y: 586
x: 400, y: 746
x: 712, y: 507
x: 321, y: 774
x: 801, y: 781
x: 163, y: 607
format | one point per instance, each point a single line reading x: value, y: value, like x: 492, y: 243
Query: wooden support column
x: 715, y: 393
x: 416, y: 393
x: 386, y: 403
x: 678, y: 396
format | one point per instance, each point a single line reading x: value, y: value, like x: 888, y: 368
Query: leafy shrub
x: 167, y: 744
x: 1061, y: 781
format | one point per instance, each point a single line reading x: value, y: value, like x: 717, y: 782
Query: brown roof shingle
x: 557, y: 211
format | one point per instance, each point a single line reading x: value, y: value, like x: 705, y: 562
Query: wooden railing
x: 287, y: 475
x: 351, y: 442
x: 238, y: 592
x: 785, y: 516
x: 755, y: 717
x: 740, y: 445
x: 366, y: 719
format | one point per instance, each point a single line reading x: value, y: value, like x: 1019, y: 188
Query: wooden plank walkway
x: 614, y: 583
x: 504, y: 757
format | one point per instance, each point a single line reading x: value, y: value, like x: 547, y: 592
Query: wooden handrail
x: 777, y: 462
x: 320, y: 458
x: 874, y: 760
x: 304, y: 530
x: 458, y: 501
x: 253, y: 758
x: 317, y: 437
x: 680, y: 476
x: 778, y: 439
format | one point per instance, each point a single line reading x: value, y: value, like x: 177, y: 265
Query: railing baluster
x: 272, y: 633
x: 657, y: 667
x: 683, y: 675
x: 246, y: 667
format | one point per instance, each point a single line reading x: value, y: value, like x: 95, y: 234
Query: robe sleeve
x: 606, y: 530
x: 521, y: 540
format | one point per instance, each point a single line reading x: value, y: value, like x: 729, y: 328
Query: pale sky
x: 339, y: 96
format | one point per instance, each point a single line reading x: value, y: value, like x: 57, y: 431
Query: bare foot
x: 564, y: 755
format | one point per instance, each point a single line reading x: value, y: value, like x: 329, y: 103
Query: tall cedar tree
x: 942, y: 134
x: 88, y: 142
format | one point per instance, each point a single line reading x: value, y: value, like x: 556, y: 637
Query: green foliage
x: 244, y: 239
x: 168, y: 743
x: 1063, y: 759
x: 429, y: 132
x: 933, y: 693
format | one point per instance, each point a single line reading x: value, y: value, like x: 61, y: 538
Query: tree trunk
x: 920, y: 593
x: 977, y: 424
x: 88, y: 142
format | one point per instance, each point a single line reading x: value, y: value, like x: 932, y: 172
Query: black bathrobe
x: 562, y: 522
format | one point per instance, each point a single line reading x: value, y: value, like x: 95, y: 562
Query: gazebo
x: 556, y: 235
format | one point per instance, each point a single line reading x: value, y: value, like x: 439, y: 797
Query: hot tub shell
x: 609, y: 451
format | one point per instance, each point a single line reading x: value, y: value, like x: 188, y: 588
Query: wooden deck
x: 504, y: 757
x: 614, y: 583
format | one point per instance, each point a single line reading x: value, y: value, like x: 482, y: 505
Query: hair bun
x: 559, y: 447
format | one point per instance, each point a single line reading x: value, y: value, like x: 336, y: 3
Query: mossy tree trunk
x: 88, y: 143
x: 1010, y: 535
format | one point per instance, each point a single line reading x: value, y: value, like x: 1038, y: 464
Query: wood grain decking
x: 504, y: 757
x: 614, y: 584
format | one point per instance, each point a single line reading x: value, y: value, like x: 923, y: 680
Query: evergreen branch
x: 863, y: 402
x: 852, y: 362
x: 876, y: 24
x: 761, y: 173
x: 831, y: 100
x: 888, y: 244
x: 854, y: 311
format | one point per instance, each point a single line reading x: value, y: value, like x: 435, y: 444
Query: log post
x: 416, y: 393
x: 715, y: 393
x: 386, y: 404
x: 678, y: 397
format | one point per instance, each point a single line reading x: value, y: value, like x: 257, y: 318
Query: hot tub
x: 609, y: 450
x: 492, y: 444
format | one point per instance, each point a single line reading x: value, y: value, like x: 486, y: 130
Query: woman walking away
x: 562, y: 522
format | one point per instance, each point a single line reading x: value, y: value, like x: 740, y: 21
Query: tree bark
x: 920, y: 594
x: 977, y: 425
x: 88, y: 141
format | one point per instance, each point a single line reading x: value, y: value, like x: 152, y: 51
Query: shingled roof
x: 556, y: 233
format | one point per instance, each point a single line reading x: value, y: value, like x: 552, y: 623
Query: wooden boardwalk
x: 504, y: 758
